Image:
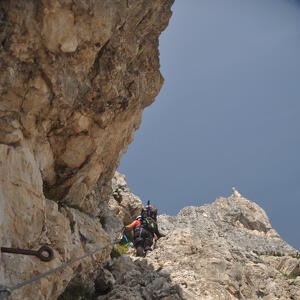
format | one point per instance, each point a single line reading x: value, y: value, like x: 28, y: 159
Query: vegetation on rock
x: 119, y: 250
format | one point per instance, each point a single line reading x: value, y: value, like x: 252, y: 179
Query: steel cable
x: 7, y: 291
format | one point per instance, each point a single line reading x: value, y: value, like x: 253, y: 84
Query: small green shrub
x: 269, y: 253
x: 295, y: 255
x: 290, y: 276
x: 119, y: 249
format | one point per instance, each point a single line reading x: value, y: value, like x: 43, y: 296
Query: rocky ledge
x: 224, y: 250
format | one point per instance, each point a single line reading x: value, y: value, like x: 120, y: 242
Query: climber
x: 143, y: 237
x: 145, y: 229
x: 151, y: 213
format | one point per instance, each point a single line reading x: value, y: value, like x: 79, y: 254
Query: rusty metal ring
x: 43, y: 257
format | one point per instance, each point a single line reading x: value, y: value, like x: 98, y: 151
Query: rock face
x: 137, y: 279
x: 225, y: 250
x: 123, y: 202
x: 121, y: 208
x: 75, y: 78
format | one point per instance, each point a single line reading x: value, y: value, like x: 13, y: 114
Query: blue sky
x: 228, y: 113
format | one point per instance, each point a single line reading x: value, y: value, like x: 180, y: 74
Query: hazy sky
x: 228, y: 114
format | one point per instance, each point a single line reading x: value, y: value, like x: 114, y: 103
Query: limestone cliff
x: 75, y: 78
x: 226, y: 250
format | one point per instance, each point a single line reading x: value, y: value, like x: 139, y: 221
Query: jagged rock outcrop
x: 75, y: 78
x: 224, y: 250
x: 123, y: 202
x: 137, y: 279
x: 121, y: 208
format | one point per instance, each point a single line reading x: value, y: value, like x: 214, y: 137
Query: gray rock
x: 123, y: 203
x: 104, y: 282
x: 224, y: 250
x: 137, y: 279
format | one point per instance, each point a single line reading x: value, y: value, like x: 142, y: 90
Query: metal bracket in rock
x: 38, y: 253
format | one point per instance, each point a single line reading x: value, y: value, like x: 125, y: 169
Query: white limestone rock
x: 223, y: 250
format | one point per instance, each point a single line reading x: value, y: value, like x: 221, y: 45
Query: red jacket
x: 134, y: 224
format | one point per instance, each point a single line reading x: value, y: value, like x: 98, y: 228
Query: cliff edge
x: 75, y: 78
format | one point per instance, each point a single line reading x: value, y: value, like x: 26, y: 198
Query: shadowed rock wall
x: 75, y: 78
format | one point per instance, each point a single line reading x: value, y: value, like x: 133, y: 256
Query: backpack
x: 149, y: 211
x: 149, y: 224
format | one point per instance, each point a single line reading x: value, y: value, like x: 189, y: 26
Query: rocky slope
x: 75, y: 78
x: 224, y: 250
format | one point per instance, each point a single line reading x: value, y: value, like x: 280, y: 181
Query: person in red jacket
x: 151, y: 213
x: 141, y: 233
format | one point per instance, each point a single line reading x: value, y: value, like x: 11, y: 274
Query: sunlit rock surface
x: 224, y: 250
x: 75, y: 78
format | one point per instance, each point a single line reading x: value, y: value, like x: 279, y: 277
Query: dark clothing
x: 145, y: 229
x: 152, y: 227
x: 142, y: 233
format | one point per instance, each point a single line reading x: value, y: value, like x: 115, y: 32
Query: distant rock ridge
x: 224, y: 250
